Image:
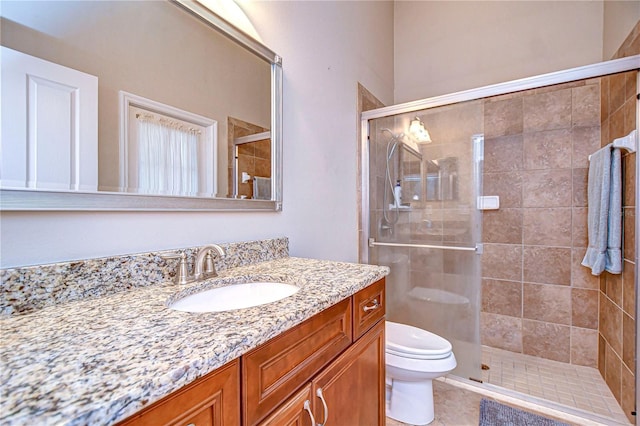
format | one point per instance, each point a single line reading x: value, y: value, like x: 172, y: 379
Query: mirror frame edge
x: 39, y: 200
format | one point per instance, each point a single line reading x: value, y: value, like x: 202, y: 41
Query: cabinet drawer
x: 368, y: 308
x: 211, y: 400
x: 275, y: 370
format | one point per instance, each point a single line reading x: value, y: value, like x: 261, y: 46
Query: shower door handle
x: 375, y: 305
x: 373, y: 243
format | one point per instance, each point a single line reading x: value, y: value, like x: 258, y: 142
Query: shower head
x: 394, y: 136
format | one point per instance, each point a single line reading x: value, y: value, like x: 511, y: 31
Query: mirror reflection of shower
x: 442, y: 179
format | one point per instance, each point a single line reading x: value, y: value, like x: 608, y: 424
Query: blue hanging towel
x: 604, y: 212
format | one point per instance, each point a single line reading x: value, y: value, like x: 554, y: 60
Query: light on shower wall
x: 418, y: 131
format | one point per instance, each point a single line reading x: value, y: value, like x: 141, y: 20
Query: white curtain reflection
x: 167, y: 156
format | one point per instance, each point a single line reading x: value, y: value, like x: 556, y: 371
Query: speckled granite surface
x: 30, y: 288
x: 99, y: 360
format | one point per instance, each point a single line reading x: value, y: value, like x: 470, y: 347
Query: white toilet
x: 414, y: 357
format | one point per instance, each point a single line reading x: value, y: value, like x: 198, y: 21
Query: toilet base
x: 411, y: 402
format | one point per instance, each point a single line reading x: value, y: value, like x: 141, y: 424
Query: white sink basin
x: 235, y: 296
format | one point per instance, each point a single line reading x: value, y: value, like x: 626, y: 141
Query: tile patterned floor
x: 570, y: 385
x: 581, y: 388
x: 455, y: 406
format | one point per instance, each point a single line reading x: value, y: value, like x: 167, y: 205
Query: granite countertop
x: 100, y: 360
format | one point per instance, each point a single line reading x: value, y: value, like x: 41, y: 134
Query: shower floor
x: 575, y: 386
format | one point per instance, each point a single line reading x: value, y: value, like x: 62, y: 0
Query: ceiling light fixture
x: 418, y: 131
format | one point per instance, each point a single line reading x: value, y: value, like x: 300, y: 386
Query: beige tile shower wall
x: 617, y: 344
x: 254, y: 158
x: 536, y: 298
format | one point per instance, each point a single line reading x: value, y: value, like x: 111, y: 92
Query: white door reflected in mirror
x: 49, y: 125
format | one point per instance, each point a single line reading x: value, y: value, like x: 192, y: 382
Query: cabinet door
x: 213, y: 400
x: 296, y: 411
x: 275, y: 370
x: 352, y: 387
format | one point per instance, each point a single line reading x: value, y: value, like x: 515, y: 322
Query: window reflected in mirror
x: 165, y: 150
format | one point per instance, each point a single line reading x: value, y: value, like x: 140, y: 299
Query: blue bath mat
x: 493, y: 413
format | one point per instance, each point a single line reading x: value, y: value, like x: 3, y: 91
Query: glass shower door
x: 424, y: 223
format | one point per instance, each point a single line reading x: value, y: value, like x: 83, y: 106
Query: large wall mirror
x: 136, y: 105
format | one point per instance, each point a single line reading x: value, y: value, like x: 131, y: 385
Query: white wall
x: 327, y: 47
x: 619, y: 19
x: 443, y: 47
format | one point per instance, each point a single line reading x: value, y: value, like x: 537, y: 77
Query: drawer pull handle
x: 191, y: 424
x: 375, y: 305
x: 307, y: 406
x: 324, y: 403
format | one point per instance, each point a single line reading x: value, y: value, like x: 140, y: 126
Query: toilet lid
x: 412, y: 342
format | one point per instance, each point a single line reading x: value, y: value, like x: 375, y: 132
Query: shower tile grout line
x: 540, y: 378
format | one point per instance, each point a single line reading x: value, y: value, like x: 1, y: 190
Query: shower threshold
x: 573, y: 393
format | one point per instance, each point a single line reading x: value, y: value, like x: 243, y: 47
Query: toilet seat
x: 413, y: 359
x: 412, y: 342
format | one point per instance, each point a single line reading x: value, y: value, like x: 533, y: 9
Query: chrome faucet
x: 204, y: 266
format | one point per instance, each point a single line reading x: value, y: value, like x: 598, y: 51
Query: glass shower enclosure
x: 422, y: 189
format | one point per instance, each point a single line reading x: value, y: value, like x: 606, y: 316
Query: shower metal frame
x: 579, y: 73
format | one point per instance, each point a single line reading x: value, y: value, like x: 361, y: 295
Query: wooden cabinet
x: 275, y: 370
x: 368, y: 308
x: 296, y: 411
x: 352, y: 387
x: 329, y: 369
x: 213, y: 400
x: 346, y: 389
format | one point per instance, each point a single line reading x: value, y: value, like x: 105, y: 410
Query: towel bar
x: 629, y: 142
x: 477, y: 248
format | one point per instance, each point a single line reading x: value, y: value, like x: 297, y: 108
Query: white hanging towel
x: 261, y: 188
x: 604, y: 212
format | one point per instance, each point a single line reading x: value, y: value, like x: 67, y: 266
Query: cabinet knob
x: 375, y: 305
x: 307, y: 406
x: 324, y: 404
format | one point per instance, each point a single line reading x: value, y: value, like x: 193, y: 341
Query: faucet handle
x: 182, y: 277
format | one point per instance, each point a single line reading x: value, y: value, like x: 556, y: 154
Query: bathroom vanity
x: 127, y: 358
x: 330, y: 369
